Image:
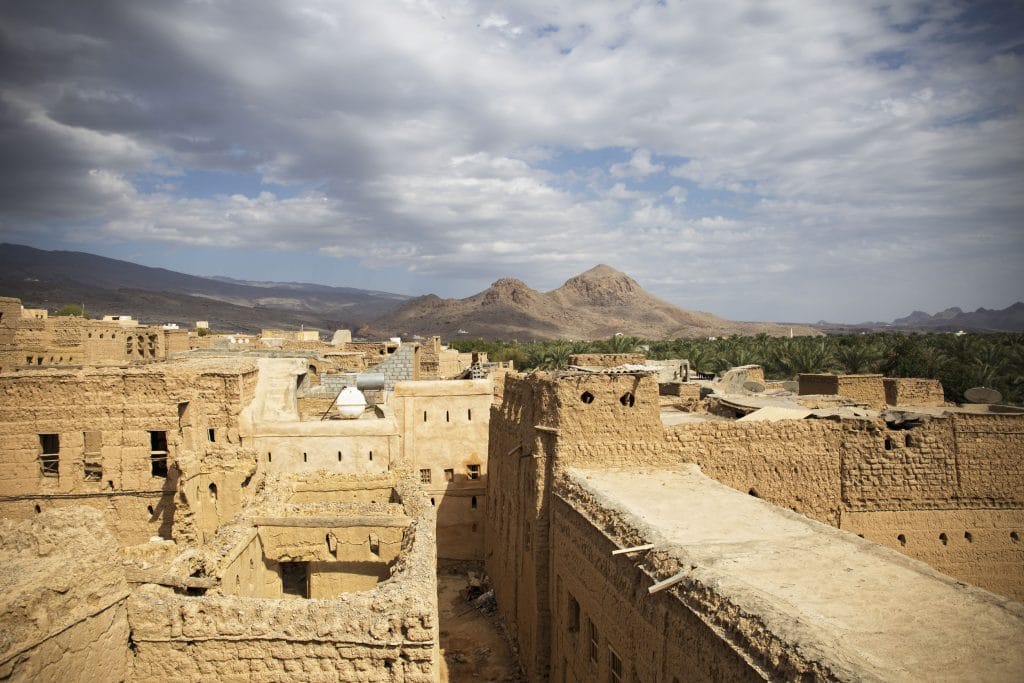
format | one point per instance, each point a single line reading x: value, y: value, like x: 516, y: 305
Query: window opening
x: 213, y: 492
x: 424, y: 416
x: 211, y: 433
x: 594, y: 637
x: 944, y: 538
x: 49, y: 456
x: 93, y: 471
x: 587, y: 397
x: 614, y: 667
x: 469, y: 414
x: 472, y: 503
x: 425, y: 476
x: 902, y: 539
x: 371, y: 456
x: 270, y: 457
x: 295, y: 578
x: 888, y: 443
x: 908, y: 440
x: 158, y: 454
x: 305, y: 458
x: 627, y: 399
x: 339, y: 456
x: 968, y: 537
x: 447, y: 416
x: 473, y: 471
x: 574, y: 614
x: 449, y: 475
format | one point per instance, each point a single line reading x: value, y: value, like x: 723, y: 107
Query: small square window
x: 473, y: 471
x: 449, y: 475
x: 93, y: 471
x: 425, y: 476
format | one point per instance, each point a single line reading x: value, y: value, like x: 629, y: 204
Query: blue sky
x: 763, y: 160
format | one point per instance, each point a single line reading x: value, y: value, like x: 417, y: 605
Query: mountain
x: 593, y: 305
x: 49, y: 279
x: 1009, y: 319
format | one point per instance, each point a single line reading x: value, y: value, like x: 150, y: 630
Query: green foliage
x: 203, y: 332
x: 958, y: 361
x: 71, y: 309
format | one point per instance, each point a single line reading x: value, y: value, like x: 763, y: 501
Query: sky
x: 791, y: 160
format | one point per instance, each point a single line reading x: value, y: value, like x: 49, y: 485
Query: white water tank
x: 351, y: 403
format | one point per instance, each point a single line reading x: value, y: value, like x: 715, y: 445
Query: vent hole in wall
x: 944, y: 538
x: 902, y: 539
x: 39, y: 509
x: 587, y: 397
x: 1014, y: 536
x: 754, y: 493
x: 968, y: 537
x: 627, y: 399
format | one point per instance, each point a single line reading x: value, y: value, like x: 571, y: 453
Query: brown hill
x: 593, y: 305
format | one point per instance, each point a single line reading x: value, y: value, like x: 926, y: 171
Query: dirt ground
x: 473, y: 647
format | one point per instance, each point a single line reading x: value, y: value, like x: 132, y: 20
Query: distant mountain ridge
x: 596, y: 304
x: 49, y: 279
x: 1009, y: 319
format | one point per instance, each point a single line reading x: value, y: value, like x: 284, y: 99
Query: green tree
x: 71, y: 310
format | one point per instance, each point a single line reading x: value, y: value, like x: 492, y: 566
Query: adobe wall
x: 866, y: 389
x: 606, y: 360
x: 386, y: 633
x: 656, y: 638
x: 820, y: 468
x: 901, y: 391
x: 103, y: 419
x: 63, y: 599
x: 445, y: 429
x: 959, y: 475
x: 70, y: 340
x: 540, y: 428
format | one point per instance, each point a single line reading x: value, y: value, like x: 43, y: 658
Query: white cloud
x: 428, y: 134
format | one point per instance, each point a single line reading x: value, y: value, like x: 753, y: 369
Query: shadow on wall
x: 165, y: 508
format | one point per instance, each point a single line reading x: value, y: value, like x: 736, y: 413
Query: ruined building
x: 207, y: 529
x: 209, y: 515
x: 623, y: 547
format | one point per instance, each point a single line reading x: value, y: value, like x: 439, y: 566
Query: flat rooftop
x: 862, y: 610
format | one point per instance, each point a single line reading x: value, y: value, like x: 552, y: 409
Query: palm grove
x: 959, y: 361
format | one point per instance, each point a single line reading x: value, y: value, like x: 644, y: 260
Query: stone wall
x: 401, y: 366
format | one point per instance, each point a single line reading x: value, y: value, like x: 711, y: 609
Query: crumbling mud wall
x: 384, y: 633
x: 606, y: 360
x: 63, y: 597
x: 110, y: 437
x: 851, y: 474
x: 73, y: 341
x: 960, y: 476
